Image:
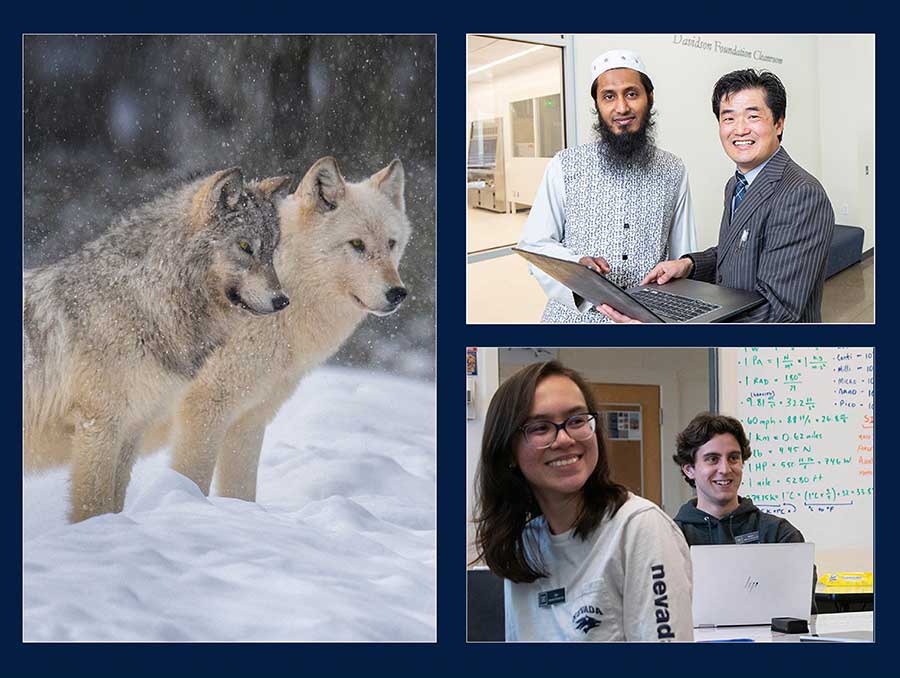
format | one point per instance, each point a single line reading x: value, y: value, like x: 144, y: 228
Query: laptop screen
x: 750, y: 584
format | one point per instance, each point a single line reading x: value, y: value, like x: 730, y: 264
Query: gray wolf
x: 340, y: 249
x: 115, y: 331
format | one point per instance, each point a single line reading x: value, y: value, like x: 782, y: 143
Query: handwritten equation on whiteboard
x: 809, y: 416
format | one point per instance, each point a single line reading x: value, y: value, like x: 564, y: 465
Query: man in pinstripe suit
x: 777, y: 223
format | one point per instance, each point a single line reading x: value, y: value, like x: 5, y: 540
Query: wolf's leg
x: 123, y: 472
x: 239, y: 459
x: 199, y: 433
x: 95, y: 454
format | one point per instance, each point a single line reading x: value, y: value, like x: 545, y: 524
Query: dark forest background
x: 111, y: 120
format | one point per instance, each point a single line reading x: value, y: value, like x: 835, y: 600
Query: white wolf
x: 340, y: 248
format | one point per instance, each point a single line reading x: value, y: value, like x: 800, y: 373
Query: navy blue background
x: 451, y: 655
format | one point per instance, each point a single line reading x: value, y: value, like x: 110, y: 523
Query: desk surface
x: 822, y: 623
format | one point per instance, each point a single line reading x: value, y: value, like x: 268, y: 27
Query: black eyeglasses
x: 541, y: 433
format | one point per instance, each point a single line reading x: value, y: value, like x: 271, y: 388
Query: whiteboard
x: 809, y: 415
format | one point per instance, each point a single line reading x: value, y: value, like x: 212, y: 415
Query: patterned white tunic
x: 632, y: 216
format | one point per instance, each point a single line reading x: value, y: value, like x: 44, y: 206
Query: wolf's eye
x: 392, y: 243
x: 358, y: 245
x: 245, y: 246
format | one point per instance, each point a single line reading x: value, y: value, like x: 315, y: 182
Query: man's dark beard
x: 627, y: 148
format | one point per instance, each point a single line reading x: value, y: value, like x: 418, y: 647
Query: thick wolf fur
x: 114, y: 332
x: 340, y: 249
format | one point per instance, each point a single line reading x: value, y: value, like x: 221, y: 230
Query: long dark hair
x: 504, y: 500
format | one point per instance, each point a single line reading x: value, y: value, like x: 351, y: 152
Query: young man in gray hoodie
x: 711, y: 453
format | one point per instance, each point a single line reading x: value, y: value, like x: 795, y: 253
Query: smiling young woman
x: 583, y: 558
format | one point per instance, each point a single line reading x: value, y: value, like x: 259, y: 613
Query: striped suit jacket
x: 789, y: 223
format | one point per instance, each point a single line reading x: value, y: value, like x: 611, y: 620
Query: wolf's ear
x: 221, y: 191
x: 323, y: 186
x: 390, y: 181
x: 275, y: 186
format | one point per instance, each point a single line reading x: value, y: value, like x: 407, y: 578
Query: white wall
x: 829, y: 125
x: 492, y: 99
x: 681, y: 373
x: 847, y: 109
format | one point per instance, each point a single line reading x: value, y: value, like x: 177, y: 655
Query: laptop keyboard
x: 672, y: 305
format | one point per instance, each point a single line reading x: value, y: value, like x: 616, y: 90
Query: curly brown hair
x: 703, y: 428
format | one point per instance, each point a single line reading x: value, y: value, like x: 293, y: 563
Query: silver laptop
x: 748, y: 584
x: 678, y: 301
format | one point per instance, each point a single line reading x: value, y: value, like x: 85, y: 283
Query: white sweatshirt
x: 630, y: 580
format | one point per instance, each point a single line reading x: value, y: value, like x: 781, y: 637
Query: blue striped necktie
x: 740, y: 190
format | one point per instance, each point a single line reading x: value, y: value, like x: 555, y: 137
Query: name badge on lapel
x: 554, y: 597
x: 749, y: 538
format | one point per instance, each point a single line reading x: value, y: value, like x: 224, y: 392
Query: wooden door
x: 629, y: 415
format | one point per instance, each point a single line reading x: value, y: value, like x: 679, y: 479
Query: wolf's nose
x: 280, y: 302
x: 395, y: 295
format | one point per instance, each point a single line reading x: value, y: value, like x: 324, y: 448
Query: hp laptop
x: 678, y: 301
x: 747, y: 584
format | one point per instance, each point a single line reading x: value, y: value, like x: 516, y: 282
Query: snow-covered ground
x: 339, y: 546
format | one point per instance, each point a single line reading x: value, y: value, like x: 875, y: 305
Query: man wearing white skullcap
x: 618, y: 204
